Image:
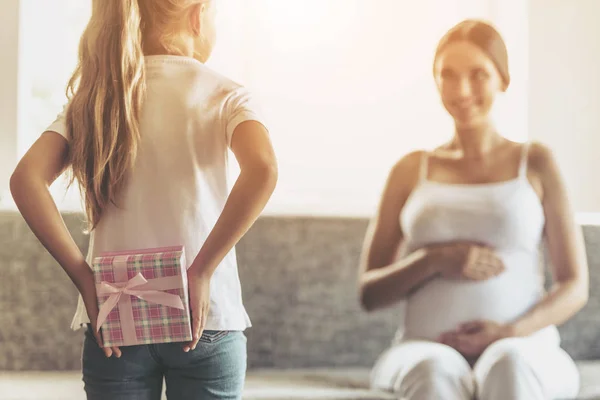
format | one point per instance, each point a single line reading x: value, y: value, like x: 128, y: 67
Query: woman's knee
x: 507, y: 364
x: 435, y: 368
x: 505, y: 371
x: 437, y: 377
x: 423, y: 370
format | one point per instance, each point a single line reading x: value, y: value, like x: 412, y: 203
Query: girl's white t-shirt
x: 178, y: 186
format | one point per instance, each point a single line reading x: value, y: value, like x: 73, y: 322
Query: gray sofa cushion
x: 589, y: 372
x: 299, y: 286
x: 581, y: 335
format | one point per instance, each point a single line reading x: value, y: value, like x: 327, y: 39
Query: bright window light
x: 345, y: 85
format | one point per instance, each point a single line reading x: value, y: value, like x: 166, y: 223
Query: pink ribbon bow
x: 138, y: 287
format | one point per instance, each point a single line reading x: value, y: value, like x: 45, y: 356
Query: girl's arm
x: 253, y: 188
x: 258, y: 176
x: 29, y: 185
x: 45, y: 161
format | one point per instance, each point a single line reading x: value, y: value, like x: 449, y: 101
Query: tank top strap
x: 524, y: 158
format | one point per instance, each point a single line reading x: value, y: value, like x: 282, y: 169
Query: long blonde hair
x: 106, y: 93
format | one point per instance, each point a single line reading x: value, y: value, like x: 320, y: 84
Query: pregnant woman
x: 457, y: 236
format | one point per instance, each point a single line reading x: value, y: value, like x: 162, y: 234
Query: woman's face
x: 468, y: 82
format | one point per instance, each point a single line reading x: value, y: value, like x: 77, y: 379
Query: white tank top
x: 507, y: 216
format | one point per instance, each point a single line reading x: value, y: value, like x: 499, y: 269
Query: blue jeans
x: 216, y: 369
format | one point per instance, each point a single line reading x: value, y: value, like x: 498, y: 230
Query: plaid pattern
x: 153, y: 323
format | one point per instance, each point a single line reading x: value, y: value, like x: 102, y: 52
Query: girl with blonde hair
x: 146, y: 135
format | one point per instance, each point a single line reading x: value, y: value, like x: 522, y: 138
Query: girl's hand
x: 88, y: 292
x: 199, y: 286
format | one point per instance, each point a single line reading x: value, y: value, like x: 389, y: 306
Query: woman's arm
x: 29, y: 184
x: 382, y: 281
x: 567, y: 251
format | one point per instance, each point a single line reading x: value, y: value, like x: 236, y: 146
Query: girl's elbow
x: 16, y: 181
x: 272, y: 172
x: 583, y: 295
x: 268, y: 173
x: 23, y: 184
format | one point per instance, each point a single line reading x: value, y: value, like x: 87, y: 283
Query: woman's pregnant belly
x: 443, y: 304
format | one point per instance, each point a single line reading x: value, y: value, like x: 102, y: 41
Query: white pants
x: 532, y: 368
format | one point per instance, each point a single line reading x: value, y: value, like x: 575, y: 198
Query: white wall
x: 9, y: 91
x: 564, y: 91
x: 50, y: 33
x: 348, y: 89
x: 346, y: 86
x: 511, y: 17
x: 50, y: 39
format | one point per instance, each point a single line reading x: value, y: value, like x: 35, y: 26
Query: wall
x: 564, y: 86
x: 348, y: 90
x: 346, y: 87
x: 49, y: 34
x: 511, y: 110
x: 9, y: 48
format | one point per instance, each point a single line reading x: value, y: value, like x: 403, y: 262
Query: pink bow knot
x: 133, y: 287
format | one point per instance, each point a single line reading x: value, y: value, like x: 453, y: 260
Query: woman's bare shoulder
x: 406, y: 169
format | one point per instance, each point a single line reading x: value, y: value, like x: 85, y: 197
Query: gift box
x: 143, y: 296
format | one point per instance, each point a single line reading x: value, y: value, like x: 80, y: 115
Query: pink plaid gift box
x: 143, y: 296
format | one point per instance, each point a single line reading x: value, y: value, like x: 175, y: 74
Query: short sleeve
x: 60, y: 123
x: 241, y: 107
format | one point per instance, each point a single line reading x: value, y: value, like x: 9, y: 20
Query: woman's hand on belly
x: 472, y: 338
x: 467, y: 260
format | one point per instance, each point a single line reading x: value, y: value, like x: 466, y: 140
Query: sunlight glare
x: 307, y: 23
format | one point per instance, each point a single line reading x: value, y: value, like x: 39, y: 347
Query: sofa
x: 309, y: 340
